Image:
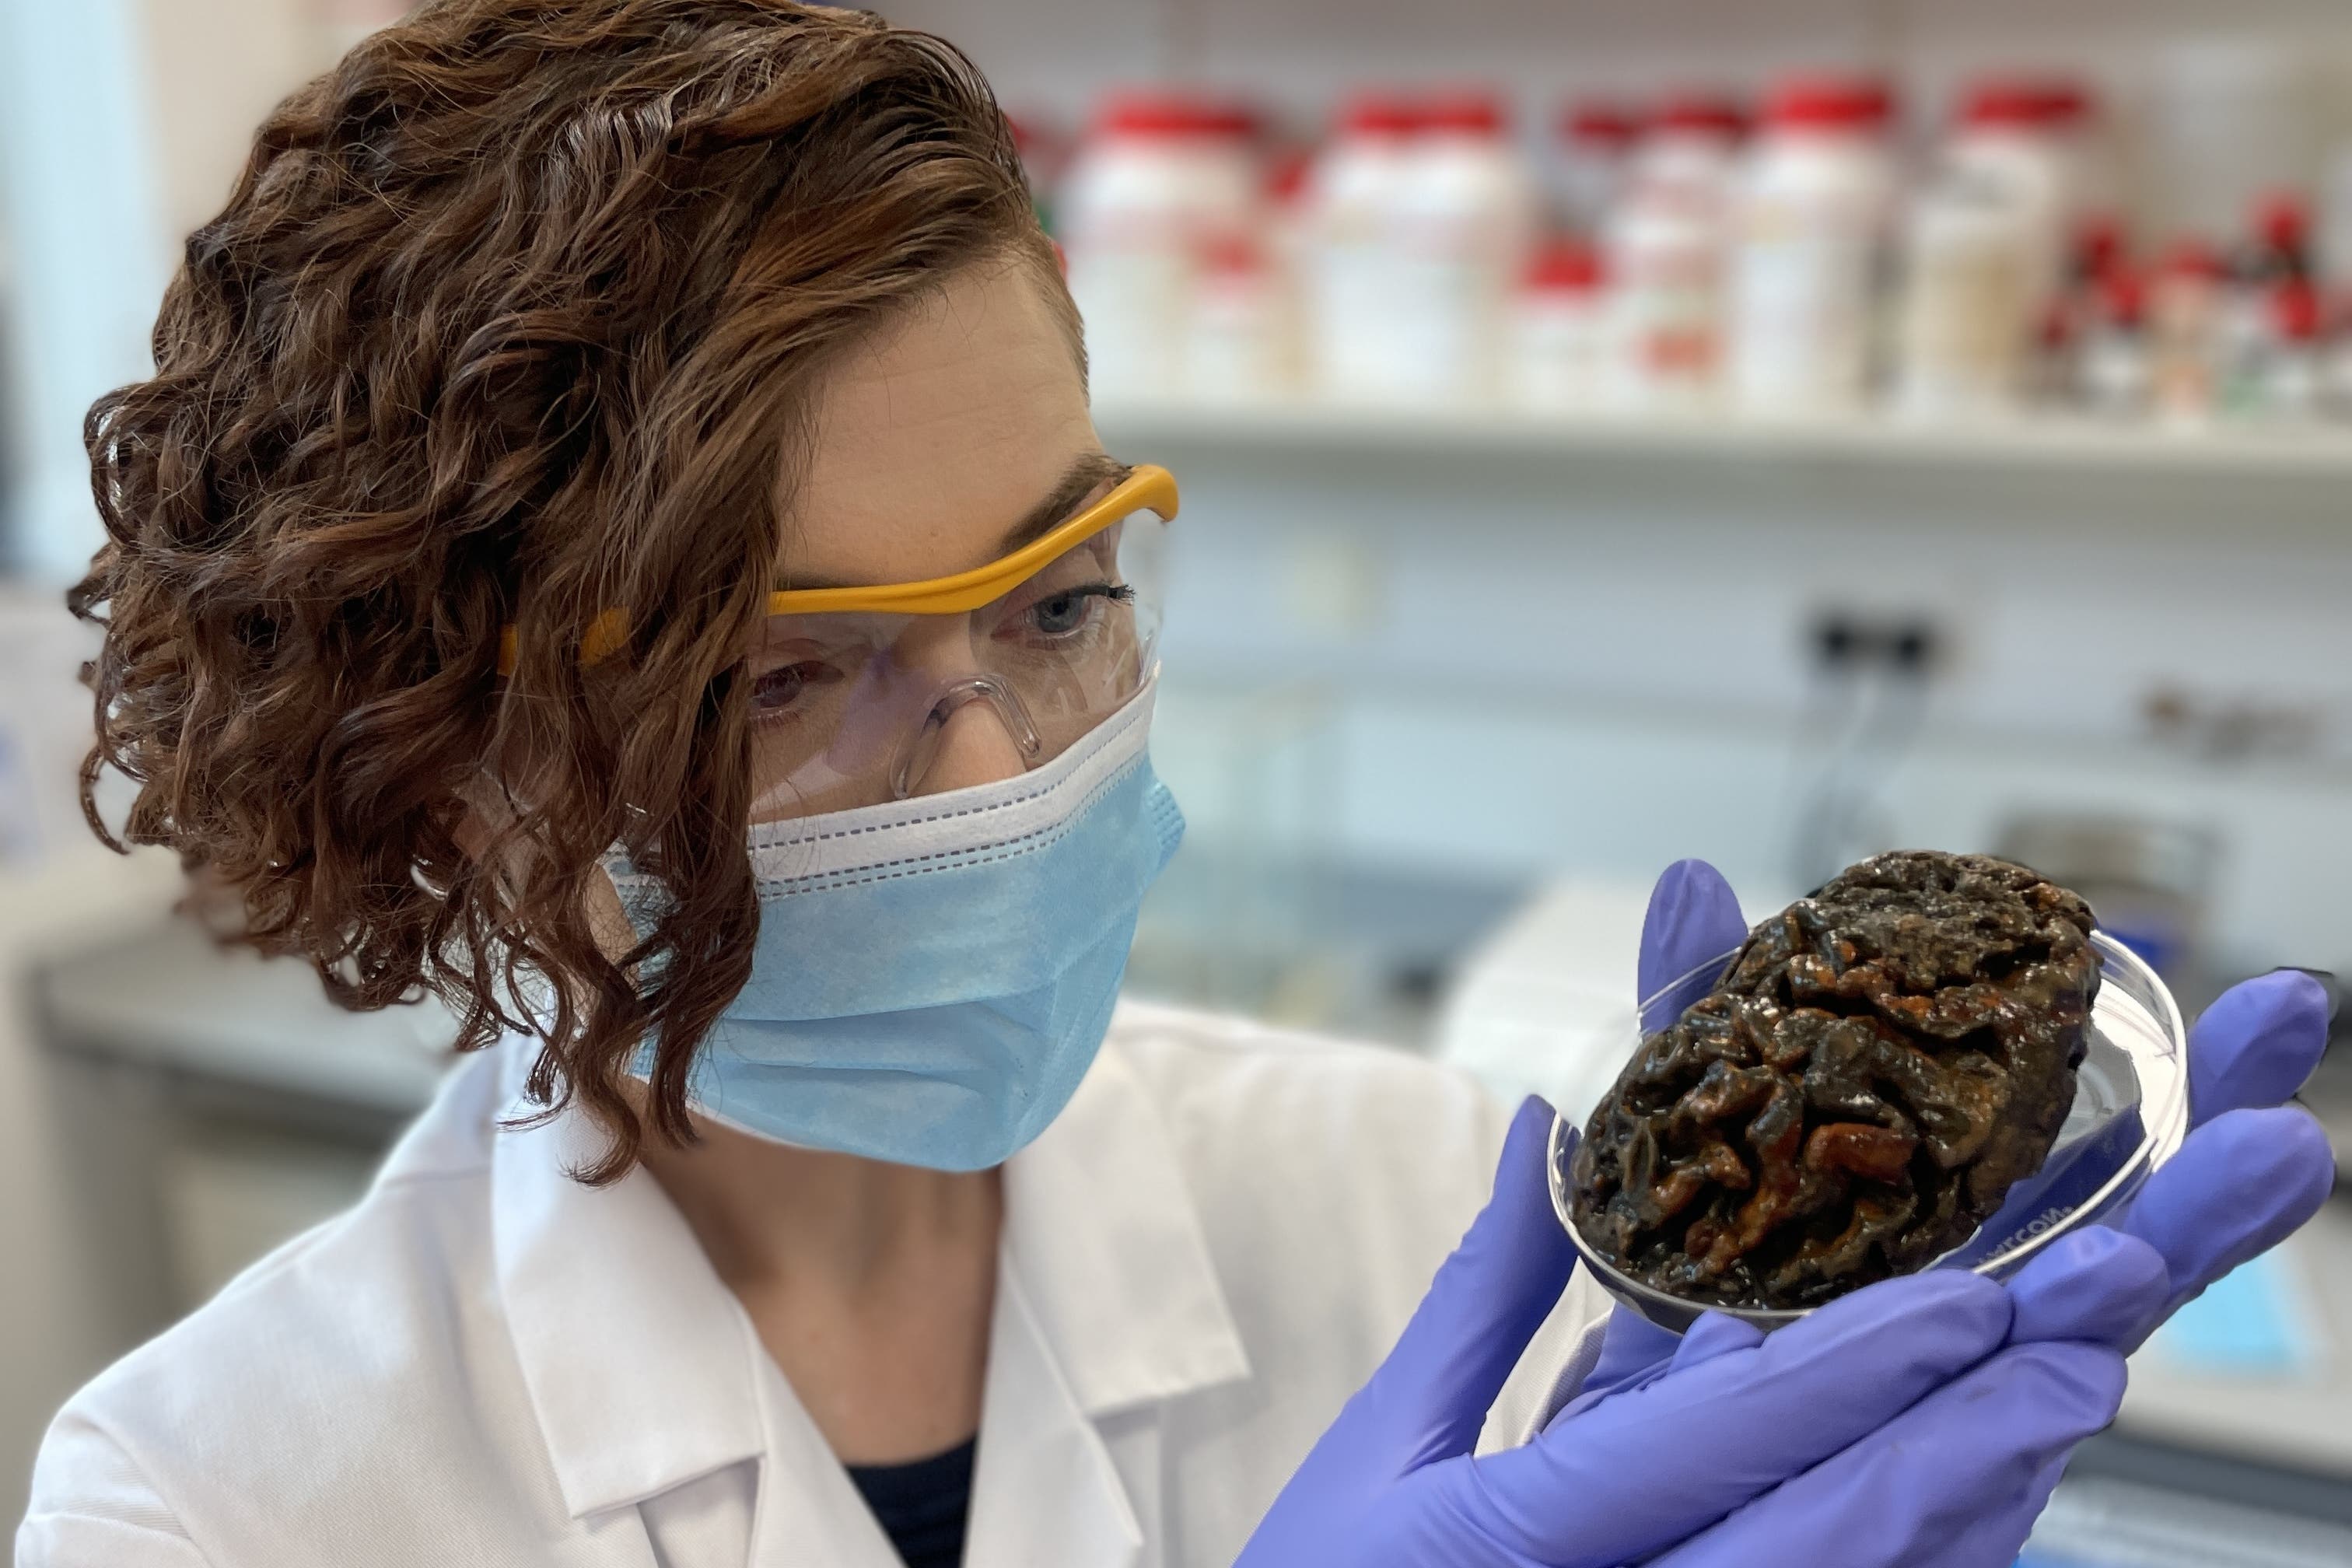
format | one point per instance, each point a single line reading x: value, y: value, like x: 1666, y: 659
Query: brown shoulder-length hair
x: 512, y: 318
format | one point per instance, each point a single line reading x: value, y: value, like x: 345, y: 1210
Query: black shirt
x: 923, y: 1507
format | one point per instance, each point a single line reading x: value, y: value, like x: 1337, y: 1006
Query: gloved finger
x: 1633, y: 1350
x: 1694, y: 916
x: 2256, y: 1045
x: 1706, y: 1440
x: 1428, y: 1400
x: 1966, y: 1455
x: 1711, y: 1336
x: 1995, y: 1536
x: 2097, y: 1285
x: 1632, y: 1347
x: 2240, y: 1184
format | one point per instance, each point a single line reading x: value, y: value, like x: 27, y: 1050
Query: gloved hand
x: 1899, y: 1412
x: 2252, y: 1169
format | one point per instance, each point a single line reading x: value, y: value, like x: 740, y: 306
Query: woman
x: 616, y: 538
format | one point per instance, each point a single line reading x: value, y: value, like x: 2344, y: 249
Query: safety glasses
x: 853, y: 690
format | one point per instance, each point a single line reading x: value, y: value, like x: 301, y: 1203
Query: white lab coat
x: 487, y: 1363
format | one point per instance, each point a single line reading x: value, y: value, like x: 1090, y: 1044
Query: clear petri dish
x: 2129, y: 1116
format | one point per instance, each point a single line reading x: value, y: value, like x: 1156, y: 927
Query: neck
x: 870, y: 1284
x: 772, y: 1216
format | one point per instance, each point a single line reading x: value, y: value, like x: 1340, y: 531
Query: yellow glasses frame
x: 1148, y: 488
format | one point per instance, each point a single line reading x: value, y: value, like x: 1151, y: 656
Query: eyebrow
x: 1090, y: 472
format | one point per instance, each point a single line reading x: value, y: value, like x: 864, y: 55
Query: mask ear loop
x: 915, y: 757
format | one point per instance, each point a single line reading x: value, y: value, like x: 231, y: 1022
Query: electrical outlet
x: 1836, y: 641
x: 1843, y: 641
x: 1913, y: 645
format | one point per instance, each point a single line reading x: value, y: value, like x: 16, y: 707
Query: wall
x: 1534, y: 661
x: 79, y: 223
x: 212, y: 70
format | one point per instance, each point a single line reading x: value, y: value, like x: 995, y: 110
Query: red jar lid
x: 2193, y: 258
x: 1469, y: 113
x: 2098, y: 244
x: 1606, y: 127
x: 2294, y: 311
x: 1379, y: 113
x: 1564, y: 266
x: 2123, y: 299
x: 2282, y: 220
x: 1148, y: 112
x: 1286, y: 174
x: 1858, y: 103
x: 2038, y: 103
x: 1712, y: 114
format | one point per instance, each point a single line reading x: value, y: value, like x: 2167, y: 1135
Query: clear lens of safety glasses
x: 855, y: 707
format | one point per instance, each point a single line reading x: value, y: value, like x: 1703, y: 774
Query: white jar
x: 2187, y: 313
x: 1161, y: 181
x: 1559, y: 331
x: 1464, y: 218
x: 2295, y: 361
x: 1665, y: 249
x: 1348, y: 273
x: 1813, y: 232
x: 2024, y: 136
x: 1238, y: 348
x: 2114, y: 366
x: 1592, y: 153
x: 1968, y: 270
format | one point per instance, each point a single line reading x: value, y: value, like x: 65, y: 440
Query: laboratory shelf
x: 2038, y: 471
x: 2054, y: 441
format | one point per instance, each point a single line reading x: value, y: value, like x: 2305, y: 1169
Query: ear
x: 489, y: 810
x: 614, y: 935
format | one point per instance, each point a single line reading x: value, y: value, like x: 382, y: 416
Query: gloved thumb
x: 1693, y: 917
x: 1429, y: 1399
x: 2241, y: 1184
x: 2097, y: 1285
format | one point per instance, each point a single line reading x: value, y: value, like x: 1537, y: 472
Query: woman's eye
x: 775, y: 690
x: 1061, y: 613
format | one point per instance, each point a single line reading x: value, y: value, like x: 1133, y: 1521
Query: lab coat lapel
x: 1108, y: 1308
x: 636, y: 1358
x: 808, y: 1511
x: 1045, y: 1492
x: 1100, y: 1228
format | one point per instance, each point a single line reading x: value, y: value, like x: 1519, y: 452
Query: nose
x: 977, y: 732
x: 976, y: 747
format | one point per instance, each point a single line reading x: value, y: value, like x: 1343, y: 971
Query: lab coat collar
x: 642, y: 1366
x: 1103, y: 1236
x: 644, y: 1370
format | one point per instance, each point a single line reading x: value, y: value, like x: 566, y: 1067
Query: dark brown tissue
x: 1877, y: 1066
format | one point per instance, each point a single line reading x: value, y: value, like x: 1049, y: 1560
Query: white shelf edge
x: 2032, y: 440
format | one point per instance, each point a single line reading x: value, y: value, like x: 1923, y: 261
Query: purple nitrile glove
x: 1957, y: 1481
x: 2252, y: 1171
x: 1693, y: 1458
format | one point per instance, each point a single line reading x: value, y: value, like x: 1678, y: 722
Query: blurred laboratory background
x: 1611, y: 431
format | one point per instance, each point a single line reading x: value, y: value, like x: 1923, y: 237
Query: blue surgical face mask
x: 934, y: 976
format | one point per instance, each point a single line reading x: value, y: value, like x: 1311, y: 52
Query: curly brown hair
x: 513, y: 317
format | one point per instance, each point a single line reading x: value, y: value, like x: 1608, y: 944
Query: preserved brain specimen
x: 1877, y: 1066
